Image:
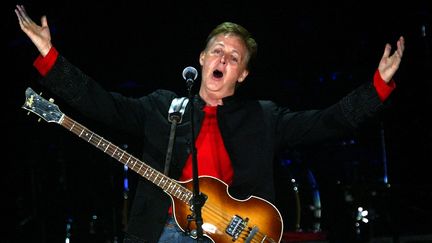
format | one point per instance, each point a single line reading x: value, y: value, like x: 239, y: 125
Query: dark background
x: 310, y: 54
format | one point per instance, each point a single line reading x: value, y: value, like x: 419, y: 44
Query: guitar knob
x: 39, y: 119
x: 51, y: 100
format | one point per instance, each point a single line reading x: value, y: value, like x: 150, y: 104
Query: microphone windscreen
x: 190, y: 73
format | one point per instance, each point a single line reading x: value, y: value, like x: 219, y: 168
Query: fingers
x: 399, y: 51
x: 401, y: 46
x: 22, y: 16
x: 19, y: 18
x: 387, y: 50
x: 44, y: 21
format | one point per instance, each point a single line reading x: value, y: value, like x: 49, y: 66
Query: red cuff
x: 44, y: 64
x: 383, y: 89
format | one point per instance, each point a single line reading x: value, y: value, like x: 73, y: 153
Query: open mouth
x: 217, y: 74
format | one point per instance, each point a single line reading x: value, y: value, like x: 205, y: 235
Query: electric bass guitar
x: 225, y: 218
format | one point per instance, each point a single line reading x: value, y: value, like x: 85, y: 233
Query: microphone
x: 189, y: 74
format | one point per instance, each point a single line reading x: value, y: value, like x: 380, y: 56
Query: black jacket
x: 253, y: 133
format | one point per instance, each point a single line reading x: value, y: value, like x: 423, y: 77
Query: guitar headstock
x: 45, y: 109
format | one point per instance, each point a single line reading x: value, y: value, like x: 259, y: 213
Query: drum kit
x: 309, y: 202
x: 298, y: 198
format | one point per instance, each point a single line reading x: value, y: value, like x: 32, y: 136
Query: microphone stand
x: 197, y: 199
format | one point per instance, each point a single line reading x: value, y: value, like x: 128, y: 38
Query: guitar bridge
x: 236, y: 226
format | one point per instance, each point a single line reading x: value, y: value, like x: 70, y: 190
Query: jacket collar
x: 227, y: 101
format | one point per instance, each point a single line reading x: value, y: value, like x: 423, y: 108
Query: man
x: 237, y: 139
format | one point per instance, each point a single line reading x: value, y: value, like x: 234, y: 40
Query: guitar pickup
x: 236, y: 226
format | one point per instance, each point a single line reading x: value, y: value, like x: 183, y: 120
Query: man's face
x: 223, y: 64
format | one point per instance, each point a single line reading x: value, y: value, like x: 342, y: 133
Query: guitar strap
x: 175, y: 115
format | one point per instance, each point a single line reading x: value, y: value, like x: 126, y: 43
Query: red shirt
x: 212, y: 157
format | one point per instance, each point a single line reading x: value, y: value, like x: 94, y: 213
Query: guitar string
x: 79, y: 129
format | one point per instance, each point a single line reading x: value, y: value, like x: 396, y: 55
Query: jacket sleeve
x: 90, y: 99
x: 336, y: 121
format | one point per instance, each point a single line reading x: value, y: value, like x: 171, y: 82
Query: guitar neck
x: 169, y: 185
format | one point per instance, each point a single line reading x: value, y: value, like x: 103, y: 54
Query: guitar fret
x: 151, y: 174
x: 72, y: 126
x: 82, y: 130
x: 167, y: 187
x: 90, y: 137
x: 164, y: 185
x: 171, y: 187
x: 175, y: 194
x: 161, y: 182
x: 134, y: 163
x: 184, y: 195
x: 107, y: 147
x: 139, y: 168
x: 121, y: 156
x: 114, y: 151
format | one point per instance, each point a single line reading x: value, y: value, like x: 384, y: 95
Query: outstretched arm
x: 39, y: 34
x: 389, y: 64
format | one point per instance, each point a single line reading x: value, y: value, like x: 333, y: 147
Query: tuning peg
x: 51, y: 100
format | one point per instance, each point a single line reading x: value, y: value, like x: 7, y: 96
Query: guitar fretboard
x: 167, y: 184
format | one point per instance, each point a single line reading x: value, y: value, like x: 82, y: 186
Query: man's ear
x: 243, y: 76
x: 201, y: 58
